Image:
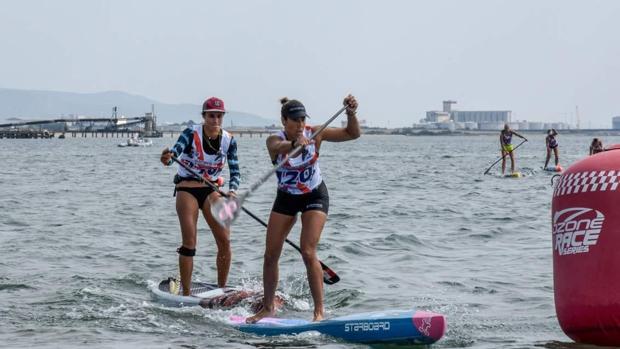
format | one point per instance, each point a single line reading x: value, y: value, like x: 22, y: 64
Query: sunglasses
x: 213, y: 115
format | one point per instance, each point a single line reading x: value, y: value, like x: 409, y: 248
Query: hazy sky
x: 537, y: 58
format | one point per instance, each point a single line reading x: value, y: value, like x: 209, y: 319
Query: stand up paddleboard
x: 550, y: 168
x: 514, y: 175
x: 394, y: 326
x: 168, y: 291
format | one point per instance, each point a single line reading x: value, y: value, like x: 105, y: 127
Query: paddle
x: 329, y: 276
x: 226, y: 211
x: 498, y: 160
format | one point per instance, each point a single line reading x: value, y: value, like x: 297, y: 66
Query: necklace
x: 208, y: 139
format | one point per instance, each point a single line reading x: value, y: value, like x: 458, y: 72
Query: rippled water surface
x: 86, y: 227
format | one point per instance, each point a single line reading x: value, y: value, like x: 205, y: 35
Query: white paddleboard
x: 169, y: 291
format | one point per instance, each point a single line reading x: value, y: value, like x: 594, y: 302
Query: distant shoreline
x: 418, y: 132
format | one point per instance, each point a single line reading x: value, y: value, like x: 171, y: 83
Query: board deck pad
x: 198, y: 292
x: 196, y: 288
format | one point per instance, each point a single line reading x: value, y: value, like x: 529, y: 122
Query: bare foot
x: 318, y: 317
x: 263, y: 313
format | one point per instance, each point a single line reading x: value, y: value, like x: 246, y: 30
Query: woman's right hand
x: 166, y: 157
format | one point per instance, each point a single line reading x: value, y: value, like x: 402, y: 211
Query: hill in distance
x: 34, y: 104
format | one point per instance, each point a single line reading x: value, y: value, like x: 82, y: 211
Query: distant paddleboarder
x: 505, y: 143
x: 552, y: 145
x: 205, y: 148
x: 596, y: 146
x: 300, y: 189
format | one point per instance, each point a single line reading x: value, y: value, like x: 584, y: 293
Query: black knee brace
x: 184, y: 251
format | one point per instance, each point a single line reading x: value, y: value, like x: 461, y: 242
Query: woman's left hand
x: 351, y: 104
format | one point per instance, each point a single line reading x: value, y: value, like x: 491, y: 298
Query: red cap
x: 213, y: 104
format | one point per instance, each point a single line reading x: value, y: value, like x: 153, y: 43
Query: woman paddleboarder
x: 596, y: 146
x: 300, y: 189
x: 505, y: 144
x: 552, y: 145
x: 205, y: 148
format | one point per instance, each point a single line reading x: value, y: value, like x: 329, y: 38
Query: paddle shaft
x: 291, y: 154
x: 498, y: 160
x: 323, y: 266
x: 330, y: 278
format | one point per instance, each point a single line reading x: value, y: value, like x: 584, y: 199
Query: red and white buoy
x: 585, y: 218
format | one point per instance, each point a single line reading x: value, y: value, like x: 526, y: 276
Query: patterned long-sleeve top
x: 184, y: 144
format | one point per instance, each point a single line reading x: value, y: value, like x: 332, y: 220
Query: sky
x: 538, y: 58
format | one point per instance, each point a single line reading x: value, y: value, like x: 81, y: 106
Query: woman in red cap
x: 205, y: 148
x: 300, y: 189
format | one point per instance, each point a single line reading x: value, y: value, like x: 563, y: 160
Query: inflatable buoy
x: 586, y: 249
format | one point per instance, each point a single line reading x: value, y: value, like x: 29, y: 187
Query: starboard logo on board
x: 367, y: 326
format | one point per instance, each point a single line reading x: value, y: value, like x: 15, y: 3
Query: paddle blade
x: 329, y: 276
x: 226, y: 210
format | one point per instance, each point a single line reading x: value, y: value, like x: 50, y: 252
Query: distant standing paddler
x: 505, y: 143
x: 552, y: 144
x: 205, y: 148
x: 596, y: 146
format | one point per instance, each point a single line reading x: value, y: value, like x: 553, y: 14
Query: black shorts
x: 199, y: 193
x: 289, y: 204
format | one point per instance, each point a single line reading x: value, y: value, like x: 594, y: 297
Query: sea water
x: 86, y: 227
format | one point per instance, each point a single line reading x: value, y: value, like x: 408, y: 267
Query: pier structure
x: 113, y: 127
x: 33, y: 133
x: 237, y: 132
x: 26, y: 134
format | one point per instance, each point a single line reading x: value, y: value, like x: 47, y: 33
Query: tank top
x: 301, y: 174
x: 507, y: 137
x: 207, y: 165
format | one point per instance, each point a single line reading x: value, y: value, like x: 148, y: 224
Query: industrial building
x: 470, y: 119
x: 449, y: 119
